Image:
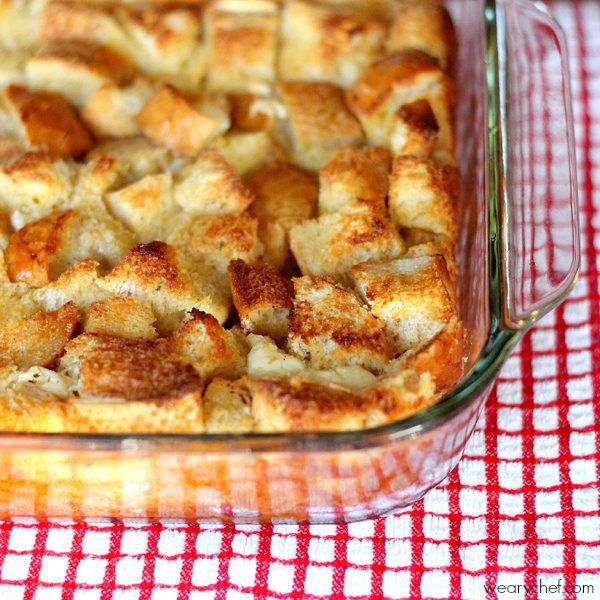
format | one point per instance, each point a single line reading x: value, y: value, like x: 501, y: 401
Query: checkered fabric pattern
x: 522, y: 508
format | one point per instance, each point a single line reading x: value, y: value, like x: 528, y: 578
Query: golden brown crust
x: 423, y: 195
x: 121, y: 316
x: 32, y: 252
x: 262, y: 297
x: 330, y: 245
x: 49, y: 121
x: 330, y: 328
x: 250, y: 112
x: 425, y: 25
x: 414, y: 297
x: 354, y: 174
x: 285, y: 196
x: 169, y: 119
x: 227, y: 406
x: 38, y: 340
x: 315, y: 135
x: 414, y: 129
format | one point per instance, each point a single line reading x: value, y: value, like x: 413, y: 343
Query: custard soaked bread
x: 226, y: 215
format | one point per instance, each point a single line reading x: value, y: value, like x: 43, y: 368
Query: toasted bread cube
x: 330, y: 245
x: 424, y: 243
x: 122, y: 317
x: 160, y: 275
x: 354, y: 174
x: 330, y: 328
x: 39, y: 339
x: 111, y: 110
x: 241, y: 39
x: 423, y: 195
x: 414, y: 130
x: 247, y: 152
x: 319, y: 122
x: 210, y: 186
x: 296, y: 405
x: 285, y: 196
x: 214, y: 241
x: 47, y: 120
x: 227, y: 407
x: 426, y: 26
x: 208, y: 347
x: 76, y: 69
x: 399, y: 395
x: 135, y: 382
x: 34, y: 183
x: 262, y: 297
x: 412, y: 296
x: 119, y: 162
x: 165, y: 37
x: 42, y: 250
x: 78, y: 283
x: 397, y: 80
x: 16, y: 301
x: 146, y: 207
x: 442, y: 359
x: 171, y: 120
x: 321, y: 44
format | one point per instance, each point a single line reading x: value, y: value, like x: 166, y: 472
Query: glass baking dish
x: 518, y: 257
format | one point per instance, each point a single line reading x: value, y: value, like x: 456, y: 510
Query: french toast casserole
x: 226, y: 216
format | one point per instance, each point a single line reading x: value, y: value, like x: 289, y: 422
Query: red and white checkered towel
x: 521, y: 509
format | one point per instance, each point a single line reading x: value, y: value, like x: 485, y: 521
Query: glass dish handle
x: 538, y: 187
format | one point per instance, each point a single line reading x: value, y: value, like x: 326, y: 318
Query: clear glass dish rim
x: 501, y: 339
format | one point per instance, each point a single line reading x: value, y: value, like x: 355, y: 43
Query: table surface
x: 522, y: 507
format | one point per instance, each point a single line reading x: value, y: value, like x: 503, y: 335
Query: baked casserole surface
x: 226, y: 216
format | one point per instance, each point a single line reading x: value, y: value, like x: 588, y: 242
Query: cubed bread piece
x: 247, y: 152
x: 146, y: 207
x: 214, y: 241
x: 425, y: 243
x: 285, y: 196
x: 318, y: 122
x: 48, y: 121
x: 164, y: 37
x: 423, y: 195
x: 130, y: 385
x: 443, y: 359
x: 330, y: 328
x: 39, y: 339
x: 241, y: 38
x: 121, y: 316
x: 397, y: 80
x: 322, y: 44
x: 111, y: 110
x: 399, y: 395
x: 354, y: 174
x: 297, y: 405
x: 414, y: 130
x: 76, y: 69
x: 78, y: 283
x: 426, y: 26
x: 208, y: 347
x: 210, y: 186
x: 173, y: 121
x: 330, y: 245
x: 62, y: 21
x: 412, y: 296
x: 34, y: 183
x: 16, y: 301
x: 160, y: 275
x: 118, y: 162
x: 227, y: 407
x: 262, y: 297
x: 42, y: 250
